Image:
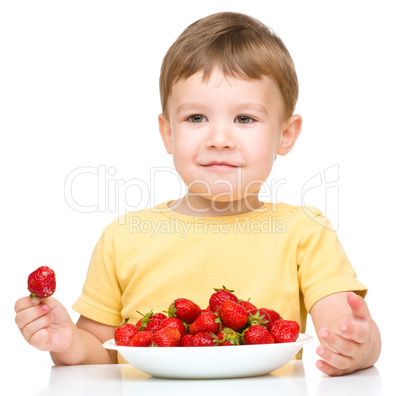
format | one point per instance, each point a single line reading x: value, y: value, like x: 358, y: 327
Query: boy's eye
x: 242, y: 119
x: 196, y: 118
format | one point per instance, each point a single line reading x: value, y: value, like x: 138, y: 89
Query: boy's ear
x: 290, y: 133
x: 166, y: 132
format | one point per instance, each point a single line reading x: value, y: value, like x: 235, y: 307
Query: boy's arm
x: 349, y: 337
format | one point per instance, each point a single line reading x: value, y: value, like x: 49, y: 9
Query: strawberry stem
x: 224, y: 288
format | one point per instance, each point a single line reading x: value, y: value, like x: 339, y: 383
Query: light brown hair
x: 239, y: 45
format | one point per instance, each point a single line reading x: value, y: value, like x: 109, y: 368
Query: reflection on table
x: 292, y: 379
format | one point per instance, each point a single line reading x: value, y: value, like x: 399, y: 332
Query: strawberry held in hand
x: 42, y: 282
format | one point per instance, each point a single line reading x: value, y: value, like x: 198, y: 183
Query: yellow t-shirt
x: 280, y: 257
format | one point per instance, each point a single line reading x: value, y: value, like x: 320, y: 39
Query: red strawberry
x: 203, y: 339
x: 150, y: 321
x: 187, y: 341
x: 285, y: 330
x: 159, y: 315
x: 184, y: 309
x: 219, y: 297
x: 156, y: 322
x: 233, y: 315
x: 257, y: 335
x: 42, y: 282
x: 176, y: 324
x: 206, y: 321
x: 228, y: 336
x: 247, y: 306
x: 124, y: 333
x: 141, y: 339
x: 167, y: 337
x: 256, y: 318
x: 264, y: 317
x: 273, y: 315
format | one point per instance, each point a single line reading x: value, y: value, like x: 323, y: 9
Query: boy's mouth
x: 219, y: 165
x: 222, y: 164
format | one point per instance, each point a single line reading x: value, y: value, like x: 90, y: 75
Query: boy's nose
x: 220, y: 137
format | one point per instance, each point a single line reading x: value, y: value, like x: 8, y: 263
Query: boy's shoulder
x: 303, y: 218
x: 285, y: 209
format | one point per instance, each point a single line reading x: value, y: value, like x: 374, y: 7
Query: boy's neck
x: 195, y: 205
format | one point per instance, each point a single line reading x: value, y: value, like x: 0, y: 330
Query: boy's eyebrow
x: 187, y: 106
x: 253, y: 106
x: 245, y: 106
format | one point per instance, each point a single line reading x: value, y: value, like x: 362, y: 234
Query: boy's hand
x: 354, y: 344
x: 44, y: 323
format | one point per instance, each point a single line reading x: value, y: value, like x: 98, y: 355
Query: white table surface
x: 295, y: 378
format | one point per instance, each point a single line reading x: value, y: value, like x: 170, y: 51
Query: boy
x: 228, y: 91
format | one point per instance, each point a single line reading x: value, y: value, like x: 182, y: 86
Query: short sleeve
x: 101, y: 295
x: 323, y: 267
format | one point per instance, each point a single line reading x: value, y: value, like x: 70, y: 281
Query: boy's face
x: 224, y: 134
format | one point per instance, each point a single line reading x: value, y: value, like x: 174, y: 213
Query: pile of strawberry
x: 226, y: 321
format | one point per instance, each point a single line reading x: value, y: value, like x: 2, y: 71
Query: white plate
x: 210, y: 362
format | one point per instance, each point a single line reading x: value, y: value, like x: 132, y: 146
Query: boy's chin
x: 220, y: 198
x: 227, y: 200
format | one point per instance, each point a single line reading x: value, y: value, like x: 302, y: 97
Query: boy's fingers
x: 328, y: 369
x: 336, y: 361
x: 359, y: 307
x: 341, y: 345
x: 30, y: 314
x: 30, y: 329
x: 41, y: 339
x: 27, y: 302
x: 24, y: 303
x: 357, y: 333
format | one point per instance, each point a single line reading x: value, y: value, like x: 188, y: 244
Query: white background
x: 79, y: 90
